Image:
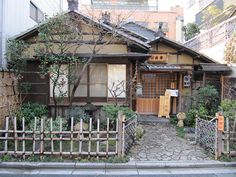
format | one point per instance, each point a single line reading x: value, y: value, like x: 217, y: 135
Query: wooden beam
x: 204, y: 78
x: 222, y: 86
x: 180, y: 91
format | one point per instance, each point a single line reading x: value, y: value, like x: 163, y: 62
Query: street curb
x: 129, y: 165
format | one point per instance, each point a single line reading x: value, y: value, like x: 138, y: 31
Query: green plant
x: 229, y: 108
x: 208, y: 97
x: 78, y: 113
x: 111, y: 112
x: 117, y: 159
x: 6, y: 158
x: 192, y: 113
x: 173, y: 120
x: 180, y: 132
x: 31, y: 110
x: 190, y: 30
x: 139, y: 132
x: 47, y: 124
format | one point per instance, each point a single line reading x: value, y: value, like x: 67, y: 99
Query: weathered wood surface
x: 8, y: 94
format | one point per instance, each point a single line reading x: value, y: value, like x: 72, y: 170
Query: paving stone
x: 161, y: 143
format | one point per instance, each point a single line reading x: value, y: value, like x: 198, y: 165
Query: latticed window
x: 155, y: 84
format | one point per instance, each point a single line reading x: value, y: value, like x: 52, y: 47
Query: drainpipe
x: 1, y: 32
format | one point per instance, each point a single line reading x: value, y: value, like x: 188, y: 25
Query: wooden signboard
x: 158, y: 58
x: 164, y: 106
x: 221, y: 123
x: 161, y: 106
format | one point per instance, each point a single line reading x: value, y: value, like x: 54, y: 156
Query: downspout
x: 1, y: 32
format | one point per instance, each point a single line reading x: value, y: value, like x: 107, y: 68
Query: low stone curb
x: 129, y: 165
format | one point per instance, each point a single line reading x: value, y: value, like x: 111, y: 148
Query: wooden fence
x: 206, y: 134
x: 228, y: 139
x: 214, y: 141
x: 51, y: 138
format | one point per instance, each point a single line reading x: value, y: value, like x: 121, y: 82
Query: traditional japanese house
x: 113, y: 65
x: 173, y: 67
x: 136, y: 56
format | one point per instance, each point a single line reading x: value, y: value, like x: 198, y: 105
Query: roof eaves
x: 192, y: 51
x: 108, y: 27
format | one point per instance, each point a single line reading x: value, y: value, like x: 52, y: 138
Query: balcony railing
x: 213, y: 36
x: 126, y: 6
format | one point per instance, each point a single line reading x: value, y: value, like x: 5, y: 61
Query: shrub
x: 192, y: 113
x: 173, y: 120
x: 139, y: 132
x: 229, y: 108
x: 55, y: 124
x: 31, y: 110
x: 111, y: 112
x: 78, y: 113
x: 208, y: 97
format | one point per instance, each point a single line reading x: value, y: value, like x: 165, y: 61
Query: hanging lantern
x: 139, y: 89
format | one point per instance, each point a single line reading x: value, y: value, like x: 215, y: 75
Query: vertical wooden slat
x: 123, y: 136
x: 120, y: 134
x: 98, y: 136
x: 117, y: 146
x: 51, y: 135
x: 6, y: 134
x: 107, y: 140
x: 227, y: 137
x: 42, y: 137
x: 80, y: 136
x: 216, y: 140
x: 15, y: 134
x: 180, y: 92
x: 34, y: 134
x: 89, y: 142
x: 23, y: 137
x: 71, y: 135
x: 60, y: 142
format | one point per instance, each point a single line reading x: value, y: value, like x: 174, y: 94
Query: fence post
x: 6, y: 134
x: 216, y: 141
x: 123, y: 136
x: 228, y: 136
x: 196, y: 128
x: 120, y: 133
x: 41, y: 137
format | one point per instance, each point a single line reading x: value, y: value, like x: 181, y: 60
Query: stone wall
x: 8, y: 94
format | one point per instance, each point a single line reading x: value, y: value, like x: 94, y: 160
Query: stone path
x: 161, y: 143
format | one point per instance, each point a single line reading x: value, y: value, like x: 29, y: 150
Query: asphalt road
x: 163, y: 172
x: 160, y: 175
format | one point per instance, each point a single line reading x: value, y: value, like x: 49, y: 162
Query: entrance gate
x: 154, y: 85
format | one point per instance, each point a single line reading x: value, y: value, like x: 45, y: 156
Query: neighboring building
x: 212, y: 42
x: 143, y: 12
x: 18, y: 15
x: 195, y: 10
x: 156, y: 62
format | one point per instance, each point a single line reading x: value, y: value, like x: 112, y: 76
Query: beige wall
x: 8, y: 95
x: 115, y: 44
x: 172, y: 58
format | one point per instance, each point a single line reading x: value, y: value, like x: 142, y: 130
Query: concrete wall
x: 8, y: 94
x: 15, y: 18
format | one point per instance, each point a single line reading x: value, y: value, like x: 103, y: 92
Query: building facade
x: 215, y: 32
x: 143, y: 12
x: 17, y: 16
x: 196, y: 10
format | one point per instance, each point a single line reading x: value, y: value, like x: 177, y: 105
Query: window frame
x: 37, y: 12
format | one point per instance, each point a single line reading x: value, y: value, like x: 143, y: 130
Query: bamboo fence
x: 91, y: 142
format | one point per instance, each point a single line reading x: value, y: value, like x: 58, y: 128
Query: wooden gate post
x: 120, y: 134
